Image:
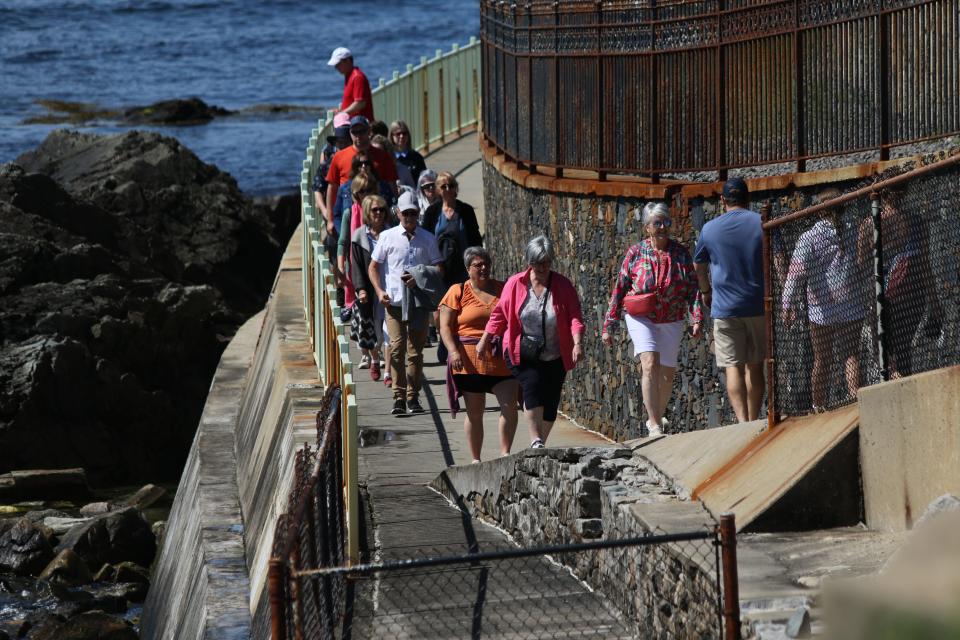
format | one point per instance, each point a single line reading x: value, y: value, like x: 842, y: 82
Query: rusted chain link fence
x: 864, y: 287
x: 311, y: 534
x: 664, y: 586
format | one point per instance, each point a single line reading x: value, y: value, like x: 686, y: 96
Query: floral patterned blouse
x: 638, y: 274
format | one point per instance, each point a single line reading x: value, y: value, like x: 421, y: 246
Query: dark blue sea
x: 237, y: 54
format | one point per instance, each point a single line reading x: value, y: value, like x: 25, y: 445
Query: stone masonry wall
x: 591, y: 236
x: 563, y: 496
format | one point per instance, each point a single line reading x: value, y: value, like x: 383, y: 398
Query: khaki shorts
x: 739, y: 341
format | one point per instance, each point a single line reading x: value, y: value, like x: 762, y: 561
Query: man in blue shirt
x: 729, y: 255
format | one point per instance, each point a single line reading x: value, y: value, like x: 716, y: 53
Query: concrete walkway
x: 406, y: 519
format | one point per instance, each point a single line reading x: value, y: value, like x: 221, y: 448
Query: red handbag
x: 642, y: 304
x: 645, y: 304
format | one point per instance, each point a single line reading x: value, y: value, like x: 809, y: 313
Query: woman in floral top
x: 656, y: 264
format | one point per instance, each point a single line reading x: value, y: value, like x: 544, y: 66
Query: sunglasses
x: 429, y: 186
x: 447, y: 187
x: 480, y: 265
x: 382, y: 210
x: 364, y: 163
x: 400, y: 133
x: 410, y: 212
x: 662, y: 224
x: 359, y: 132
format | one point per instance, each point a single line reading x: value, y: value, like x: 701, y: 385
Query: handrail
x: 438, y: 99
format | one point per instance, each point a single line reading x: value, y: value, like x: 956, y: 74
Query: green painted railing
x: 439, y: 99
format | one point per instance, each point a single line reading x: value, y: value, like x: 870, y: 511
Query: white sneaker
x: 653, y: 430
x: 364, y: 362
x: 537, y: 444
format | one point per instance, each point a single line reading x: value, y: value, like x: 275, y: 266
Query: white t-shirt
x: 399, y: 253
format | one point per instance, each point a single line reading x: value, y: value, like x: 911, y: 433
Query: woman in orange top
x: 464, y: 312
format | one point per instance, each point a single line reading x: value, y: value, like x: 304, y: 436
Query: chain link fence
x: 660, y: 585
x: 311, y: 533
x: 864, y: 288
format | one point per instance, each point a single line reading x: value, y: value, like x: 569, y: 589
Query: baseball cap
x: 342, y: 119
x: 408, y: 201
x: 359, y: 121
x: 340, y: 53
x: 735, y: 190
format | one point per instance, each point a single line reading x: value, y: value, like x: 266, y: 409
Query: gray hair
x: 475, y: 252
x: 538, y: 250
x: 652, y: 209
x: 427, y: 175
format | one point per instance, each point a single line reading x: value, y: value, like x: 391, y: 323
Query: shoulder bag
x: 532, y: 346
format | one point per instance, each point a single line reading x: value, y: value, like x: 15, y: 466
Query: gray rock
x: 946, y: 502
x: 24, y: 548
x: 60, y: 525
x: 94, y: 509
x: 67, y: 569
x: 144, y: 497
x: 111, y: 538
x: 189, y: 111
x: 91, y: 625
x: 798, y: 626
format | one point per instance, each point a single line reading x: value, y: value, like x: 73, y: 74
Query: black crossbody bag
x: 532, y: 346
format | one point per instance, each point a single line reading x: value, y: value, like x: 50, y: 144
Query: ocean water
x: 236, y: 54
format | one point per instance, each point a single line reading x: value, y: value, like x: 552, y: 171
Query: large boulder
x: 112, y: 538
x: 92, y: 625
x: 67, y: 569
x: 126, y: 264
x: 24, y: 548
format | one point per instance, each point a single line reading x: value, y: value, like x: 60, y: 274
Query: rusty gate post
x: 731, y: 584
x: 883, y: 355
x: 768, y: 311
x: 278, y: 627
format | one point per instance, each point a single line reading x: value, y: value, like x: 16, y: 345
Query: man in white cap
x: 357, y: 100
x: 399, y: 251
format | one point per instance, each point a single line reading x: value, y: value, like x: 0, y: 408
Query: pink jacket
x: 505, y: 318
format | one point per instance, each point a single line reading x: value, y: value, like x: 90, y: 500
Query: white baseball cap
x: 408, y: 202
x: 339, y: 54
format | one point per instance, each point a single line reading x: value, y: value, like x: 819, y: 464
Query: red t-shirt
x: 383, y: 163
x: 356, y: 87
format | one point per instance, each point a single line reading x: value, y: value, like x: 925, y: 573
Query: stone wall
x: 591, y: 236
x: 562, y: 496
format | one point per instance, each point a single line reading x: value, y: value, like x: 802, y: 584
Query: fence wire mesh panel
x: 708, y: 84
x: 652, y: 587
x: 866, y: 290
x: 311, y: 533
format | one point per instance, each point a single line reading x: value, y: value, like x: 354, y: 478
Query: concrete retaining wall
x: 909, y: 446
x: 210, y: 579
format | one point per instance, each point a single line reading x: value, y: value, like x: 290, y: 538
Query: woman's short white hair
x: 538, y: 250
x: 652, y: 209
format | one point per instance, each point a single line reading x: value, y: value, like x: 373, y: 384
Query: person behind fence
x: 368, y: 314
x: 830, y: 271
x: 400, y: 258
x: 729, y: 263
x: 539, y: 320
x: 910, y: 289
x: 464, y: 312
x: 655, y: 288
x: 357, y: 99
x: 406, y: 154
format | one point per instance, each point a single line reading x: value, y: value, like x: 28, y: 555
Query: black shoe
x: 399, y: 407
x: 413, y: 406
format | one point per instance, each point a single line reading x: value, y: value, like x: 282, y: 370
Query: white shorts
x: 662, y: 337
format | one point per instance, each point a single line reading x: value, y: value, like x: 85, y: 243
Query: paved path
x: 529, y: 598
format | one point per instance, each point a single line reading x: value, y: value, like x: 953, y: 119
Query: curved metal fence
x: 651, y: 87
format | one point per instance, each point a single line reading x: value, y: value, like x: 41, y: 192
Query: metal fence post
x: 876, y: 211
x: 768, y: 311
x: 731, y: 584
x: 278, y: 618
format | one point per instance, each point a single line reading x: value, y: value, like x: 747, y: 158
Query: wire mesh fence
x: 864, y: 288
x: 660, y: 585
x: 311, y: 533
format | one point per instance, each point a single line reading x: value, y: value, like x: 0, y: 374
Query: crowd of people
x: 408, y: 257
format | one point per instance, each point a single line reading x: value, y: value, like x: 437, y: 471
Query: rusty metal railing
x: 862, y: 288
x: 658, y: 87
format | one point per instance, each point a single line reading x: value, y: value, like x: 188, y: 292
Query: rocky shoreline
x: 127, y: 266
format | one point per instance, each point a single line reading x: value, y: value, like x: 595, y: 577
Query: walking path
x: 402, y: 454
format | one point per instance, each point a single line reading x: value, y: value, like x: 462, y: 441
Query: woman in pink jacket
x: 539, y: 319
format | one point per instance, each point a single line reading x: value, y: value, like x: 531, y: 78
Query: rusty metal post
x: 884, y: 81
x: 560, y: 145
x: 768, y: 311
x: 731, y: 583
x: 798, y: 87
x: 295, y: 590
x: 883, y: 356
x: 278, y: 627
x: 720, y: 127
x: 599, y: 113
